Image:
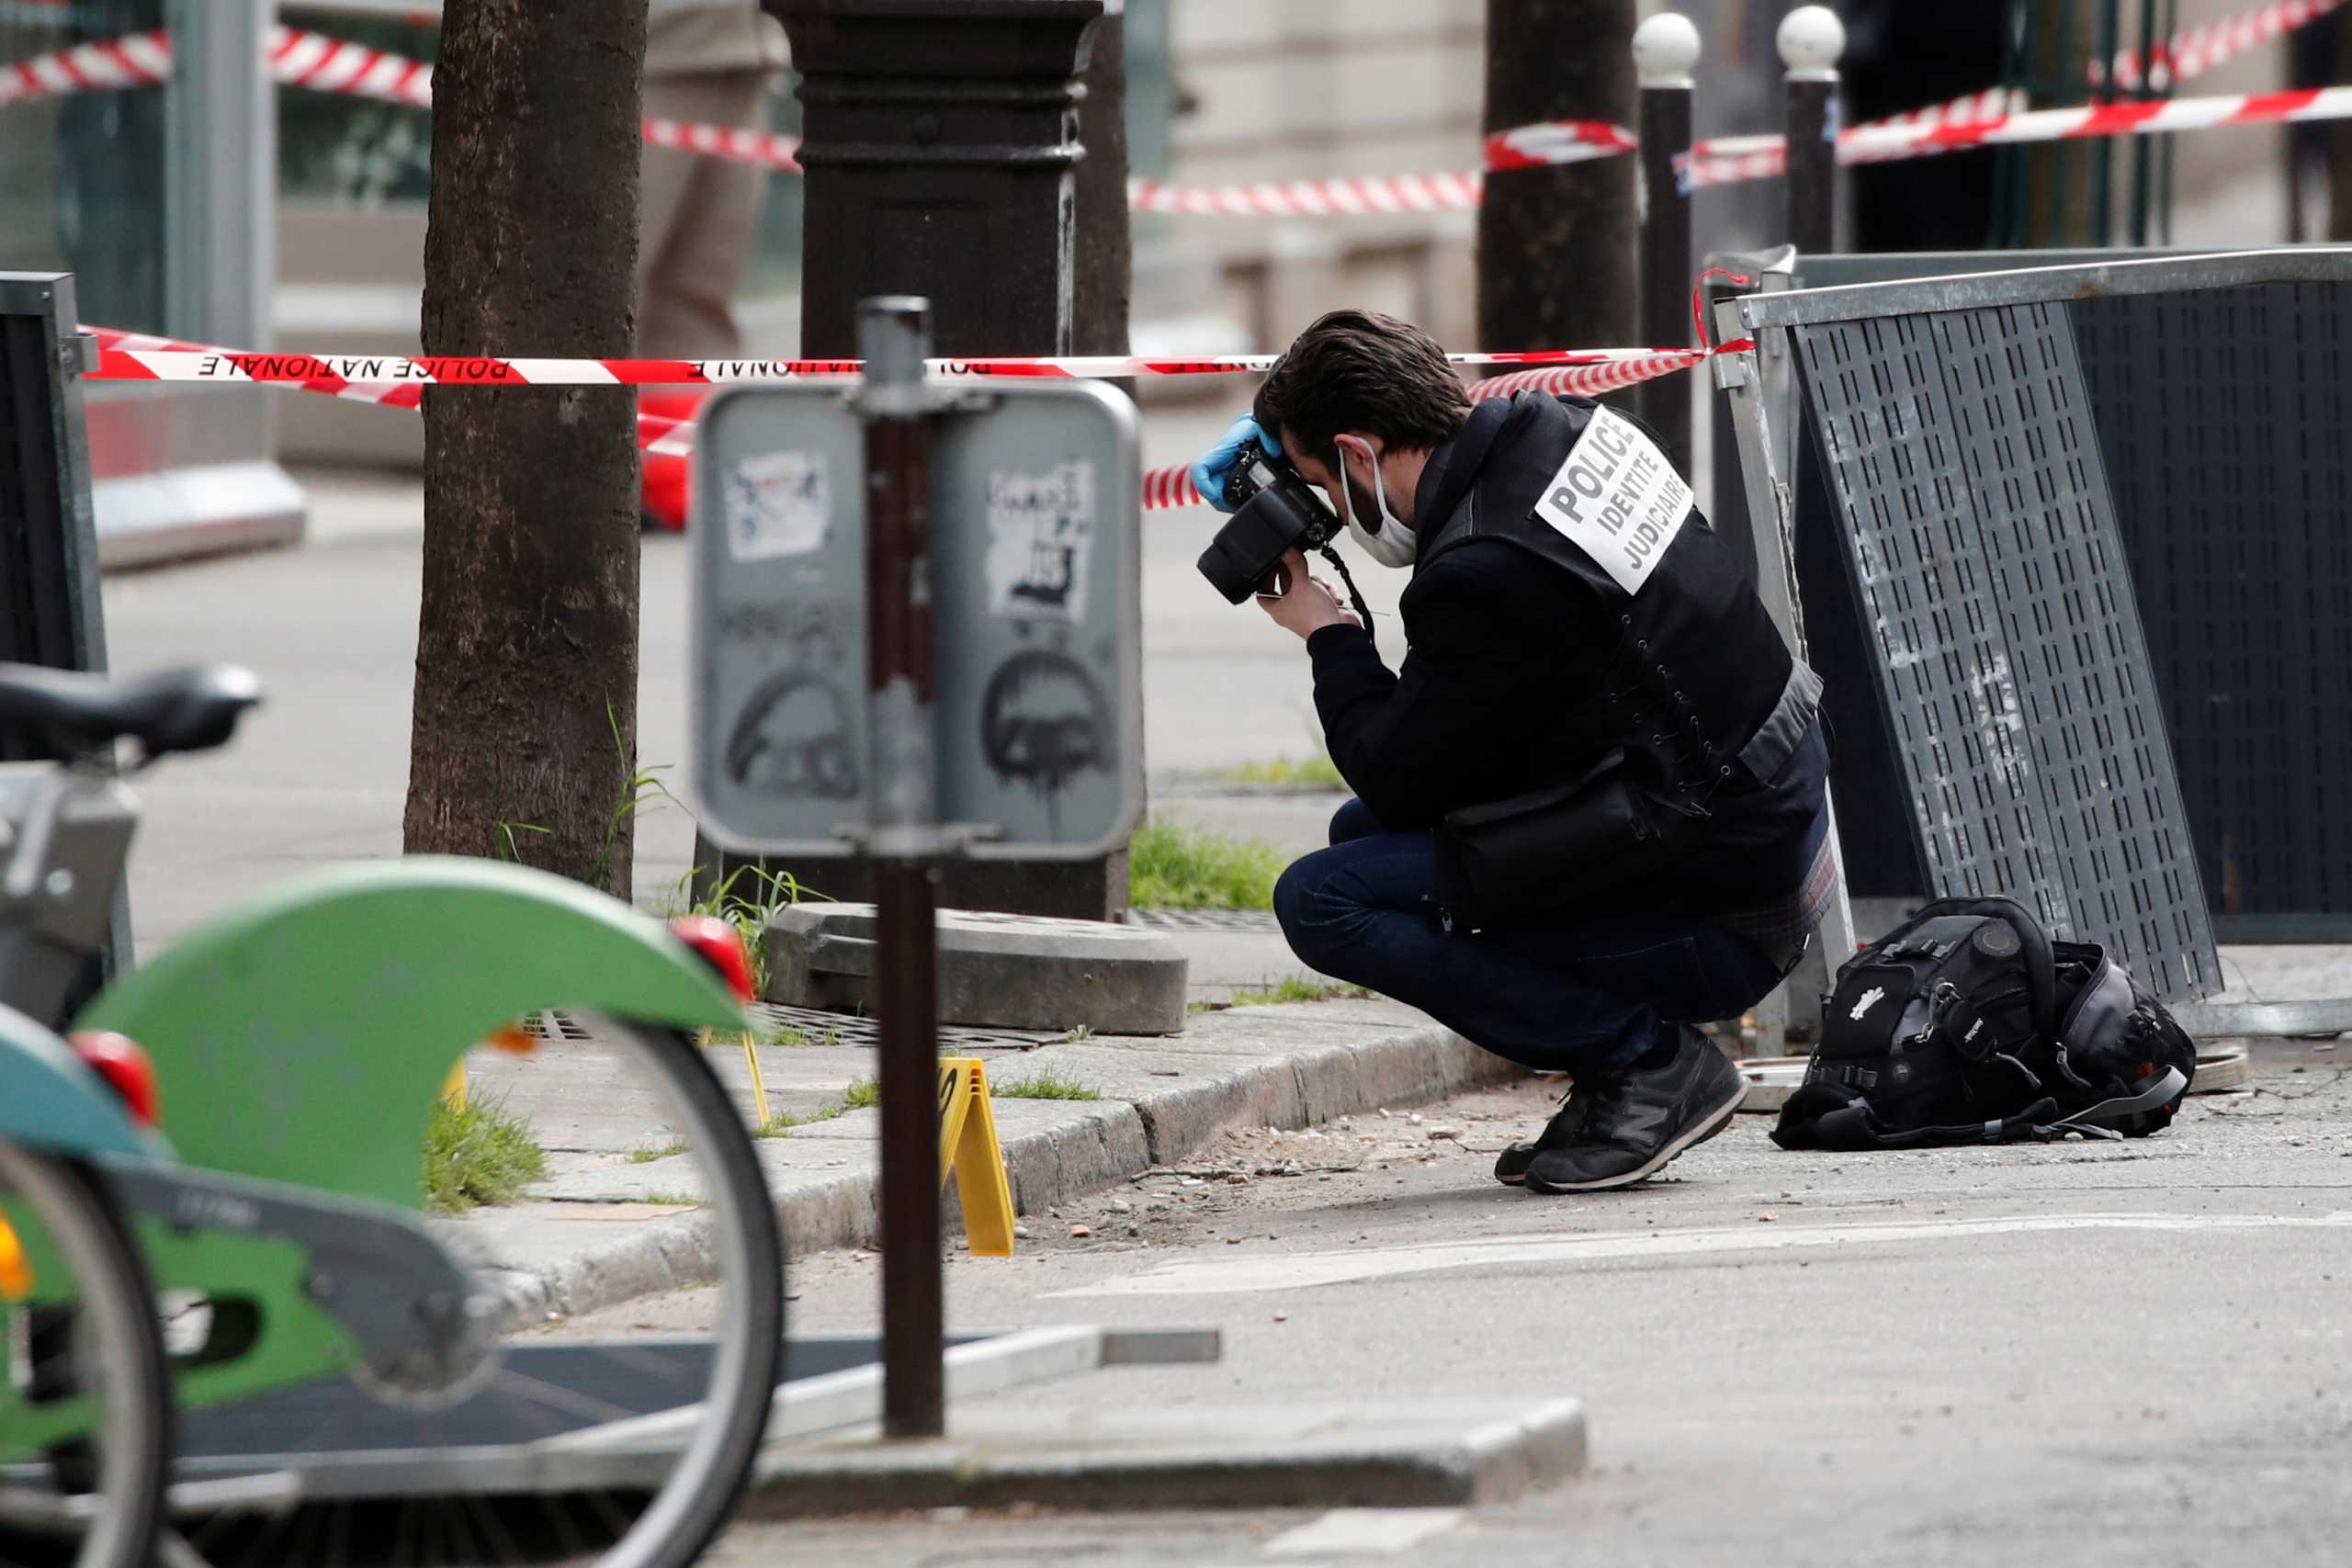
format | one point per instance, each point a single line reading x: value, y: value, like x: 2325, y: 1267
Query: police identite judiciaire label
x: 1617, y: 499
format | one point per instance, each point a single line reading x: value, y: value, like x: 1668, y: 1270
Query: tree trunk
x: 524, y: 736
x: 1556, y: 247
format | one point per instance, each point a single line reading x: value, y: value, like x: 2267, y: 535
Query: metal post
x: 1666, y: 47
x: 1812, y: 40
x: 1764, y: 460
x: 220, y: 213
x: 2142, y: 167
x: 2103, y: 148
x: 894, y: 338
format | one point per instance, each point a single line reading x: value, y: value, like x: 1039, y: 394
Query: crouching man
x: 1589, y: 803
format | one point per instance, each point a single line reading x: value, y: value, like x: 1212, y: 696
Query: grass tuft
x: 652, y: 1152
x: 479, y: 1152
x: 1295, y: 988
x: 863, y: 1095
x: 1044, y: 1086
x: 1317, y: 772
x: 1173, y: 866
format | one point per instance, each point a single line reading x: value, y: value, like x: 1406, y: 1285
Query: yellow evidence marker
x: 17, y: 1275
x: 968, y: 1150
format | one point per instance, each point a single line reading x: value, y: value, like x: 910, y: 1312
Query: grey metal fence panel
x: 2004, y: 636
x: 2224, y: 418
x: 2220, y: 404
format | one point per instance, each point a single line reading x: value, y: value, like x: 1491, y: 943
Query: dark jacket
x: 1522, y: 663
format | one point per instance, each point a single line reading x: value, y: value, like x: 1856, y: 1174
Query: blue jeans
x: 1583, y: 994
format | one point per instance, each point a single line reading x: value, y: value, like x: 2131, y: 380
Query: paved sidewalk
x: 591, y: 1232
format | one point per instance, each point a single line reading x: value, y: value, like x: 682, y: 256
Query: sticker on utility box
x: 1041, y: 532
x: 777, y: 505
x: 1618, y: 500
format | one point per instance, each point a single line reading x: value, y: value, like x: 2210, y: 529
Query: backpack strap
x: 1825, y: 1116
x: 2159, y: 1091
x: 2040, y: 962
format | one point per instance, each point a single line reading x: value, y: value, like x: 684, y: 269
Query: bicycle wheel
x: 614, y: 1422
x: 86, y: 1401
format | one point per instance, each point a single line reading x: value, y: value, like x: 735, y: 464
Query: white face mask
x: 1388, y: 540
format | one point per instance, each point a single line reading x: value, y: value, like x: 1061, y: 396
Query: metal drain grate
x: 821, y: 1028
x: 1253, y: 920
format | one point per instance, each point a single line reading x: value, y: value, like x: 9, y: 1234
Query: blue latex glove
x: 1209, y: 474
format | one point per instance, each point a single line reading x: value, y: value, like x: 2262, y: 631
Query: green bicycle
x: 85, y: 1401
x: 369, y: 1381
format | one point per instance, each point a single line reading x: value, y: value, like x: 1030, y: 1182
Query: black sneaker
x: 1634, y: 1121
x: 1511, y: 1166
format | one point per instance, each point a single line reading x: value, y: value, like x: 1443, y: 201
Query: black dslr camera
x: 1275, y: 512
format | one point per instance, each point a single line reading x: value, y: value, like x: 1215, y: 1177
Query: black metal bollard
x: 1812, y: 40
x: 1666, y: 47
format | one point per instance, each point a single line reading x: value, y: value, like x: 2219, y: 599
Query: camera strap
x: 1364, y: 610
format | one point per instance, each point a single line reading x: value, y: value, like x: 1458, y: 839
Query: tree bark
x: 1557, y: 246
x: 525, y: 734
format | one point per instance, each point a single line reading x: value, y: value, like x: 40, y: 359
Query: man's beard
x: 1362, y: 506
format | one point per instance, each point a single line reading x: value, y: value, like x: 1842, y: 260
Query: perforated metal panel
x: 2222, y: 415
x: 2003, y: 634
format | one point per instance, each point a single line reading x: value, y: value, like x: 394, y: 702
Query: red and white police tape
x: 1729, y: 158
x: 667, y: 443
x: 321, y: 63
x: 127, y: 357
x: 1172, y: 486
x: 2192, y: 52
x: 324, y: 64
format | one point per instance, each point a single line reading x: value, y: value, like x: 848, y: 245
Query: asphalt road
x: 2077, y: 1355
x: 2129, y: 1354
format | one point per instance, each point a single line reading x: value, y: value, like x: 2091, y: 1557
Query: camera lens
x: 1283, y: 516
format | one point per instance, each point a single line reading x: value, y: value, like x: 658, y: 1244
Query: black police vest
x: 1700, y: 682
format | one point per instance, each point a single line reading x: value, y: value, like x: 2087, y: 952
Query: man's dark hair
x: 1362, y: 370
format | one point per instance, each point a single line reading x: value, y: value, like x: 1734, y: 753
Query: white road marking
x: 1293, y: 1271
x: 1364, y: 1532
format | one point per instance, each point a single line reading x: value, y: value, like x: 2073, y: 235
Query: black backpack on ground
x: 1967, y: 1024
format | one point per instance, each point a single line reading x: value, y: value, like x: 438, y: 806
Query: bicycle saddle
x: 64, y: 715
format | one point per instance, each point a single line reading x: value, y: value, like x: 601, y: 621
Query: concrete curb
x: 1371, y: 1454
x: 1290, y: 1066
x: 1057, y: 1152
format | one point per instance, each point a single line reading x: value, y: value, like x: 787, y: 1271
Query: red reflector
x: 123, y: 1063
x: 721, y: 946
